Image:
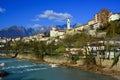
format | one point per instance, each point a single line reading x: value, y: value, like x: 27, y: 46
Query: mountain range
x: 20, y: 31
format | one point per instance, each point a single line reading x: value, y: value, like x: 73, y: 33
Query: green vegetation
x: 78, y: 40
x: 36, y: 48
x: 112, y: 28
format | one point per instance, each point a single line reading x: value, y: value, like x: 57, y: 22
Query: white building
x: 92, y: 32
x: 3, y: 40
x: 53, y: 32
x: 61, y: 33
x: 114, y: 17
x: 74, y: 50
x: 56, y: 33
x: 101, y: 34
x: 96, y: 25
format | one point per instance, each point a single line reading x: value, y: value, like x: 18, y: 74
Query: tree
x: 7, y: 46
x: 38, y: 49
x: 68, y: 42
x: 113, y: 28
x: 115, y: 60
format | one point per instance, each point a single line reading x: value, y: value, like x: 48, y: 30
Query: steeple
x: 68, y: 23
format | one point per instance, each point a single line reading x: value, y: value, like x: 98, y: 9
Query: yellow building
x: 86, y: 26
x: 79, y: 28
x: 91, y: 22
x: 17, y: 39
x: 70, y: 31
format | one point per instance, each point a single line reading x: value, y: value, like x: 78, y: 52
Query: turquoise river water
x: 26, y: 70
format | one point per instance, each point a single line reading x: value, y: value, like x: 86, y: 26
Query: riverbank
x: 64, y: 62
x: 104, y: 69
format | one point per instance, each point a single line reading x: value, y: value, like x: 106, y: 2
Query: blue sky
x: 34, y: 13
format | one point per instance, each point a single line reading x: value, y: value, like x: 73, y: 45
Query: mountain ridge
x: 20, y: 31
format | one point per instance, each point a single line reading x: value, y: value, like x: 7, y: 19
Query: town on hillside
x: 99, y: 36
x: 59, y: 40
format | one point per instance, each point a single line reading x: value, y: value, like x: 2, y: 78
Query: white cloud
x: 2, y: 10
x: 51, y: 15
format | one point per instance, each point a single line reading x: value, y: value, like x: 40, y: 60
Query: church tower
x: 68, y: 23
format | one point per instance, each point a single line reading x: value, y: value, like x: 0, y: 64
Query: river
x: 26, y: 70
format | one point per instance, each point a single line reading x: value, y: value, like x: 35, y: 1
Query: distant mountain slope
x: 20, y: 31
x: 13, y: 32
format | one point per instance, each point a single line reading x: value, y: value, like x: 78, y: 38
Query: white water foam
x: 28, y: 70
x: 21, y: 66
x: 18, y: 67
x: 10, y: 61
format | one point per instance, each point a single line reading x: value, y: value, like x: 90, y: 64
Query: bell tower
x: 68, y: 23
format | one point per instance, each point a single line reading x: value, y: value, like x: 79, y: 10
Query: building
x: 36, y: 37
x: 53, y: 32
x: 97, y: 49
x: 115, y: 16
x: 92, y: 33
x: 86, y: 27
x: 4, y: 40
x: 102, y: 17
x: 75, y: 51
x: 101, y: 34
x: 61, y: 34
x: 91, y: 22
x: 96, y: 25
x: 68, y: 23
x: 56, y: 33
x: 70, y: 31
x: 79, y: 28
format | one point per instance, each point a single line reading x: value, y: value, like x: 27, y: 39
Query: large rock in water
x: 3, y: 73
